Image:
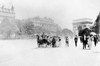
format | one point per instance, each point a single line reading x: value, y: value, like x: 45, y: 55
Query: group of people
x: 44, y: 40
x: 67, y: 40
x: 87, y: 40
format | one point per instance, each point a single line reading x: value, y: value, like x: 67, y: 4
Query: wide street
x: 26, y: 53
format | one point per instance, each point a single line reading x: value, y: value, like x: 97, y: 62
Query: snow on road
x: 26, y: 53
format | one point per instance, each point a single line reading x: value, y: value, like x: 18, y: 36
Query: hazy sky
x: 62, y: 11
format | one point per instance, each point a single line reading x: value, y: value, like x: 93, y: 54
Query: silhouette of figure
x: 95, y: 40
x: 85, y: 41
x: 67, y: 41
x: 53, y: 42
x: 43, y: 35
x: 76, y: 40
x: 90, y: 41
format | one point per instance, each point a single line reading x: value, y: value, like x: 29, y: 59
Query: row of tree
x: 14, y: 28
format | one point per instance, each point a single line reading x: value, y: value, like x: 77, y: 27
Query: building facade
x: 7, y: 12
x: 80, y: 24
x: 44, y: 25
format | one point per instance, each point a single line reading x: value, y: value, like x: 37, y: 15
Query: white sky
x: 62, y: 11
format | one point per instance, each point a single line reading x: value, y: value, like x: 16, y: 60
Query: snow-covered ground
x: 26, y: 53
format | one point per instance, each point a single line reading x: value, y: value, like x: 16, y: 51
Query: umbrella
x: 93, y: 33
x: 85, y: 31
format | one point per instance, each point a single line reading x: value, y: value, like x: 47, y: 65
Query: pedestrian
x: 67, y: 41
x: 95, y: 40
x: 54, y: 42
x: 90, y: 41
x: 85, y: 40
x: 43, y: 35
x: 76, y: 40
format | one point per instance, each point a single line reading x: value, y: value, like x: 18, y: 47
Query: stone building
x: 7, y: 19
x: 80, y: 24
x: 7, y: 12
x: 7, y: 16
x: 45, y: 24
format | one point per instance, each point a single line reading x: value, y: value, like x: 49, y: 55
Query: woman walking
x: 90, y: 41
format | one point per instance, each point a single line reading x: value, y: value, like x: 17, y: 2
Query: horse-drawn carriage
x: 47, y: 41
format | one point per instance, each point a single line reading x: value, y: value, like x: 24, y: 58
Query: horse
x: 42, y: 41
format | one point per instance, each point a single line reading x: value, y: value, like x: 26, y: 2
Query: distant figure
x: 67, y: 41
x: 76, y: 39
x: 85, y: 41
x: 53, y: 42
x: 81, y: 39
x: 43, y: 35
x: 39, y: 41
x: 95, y: 40
x: 90, y: 41
x: 58, y: 41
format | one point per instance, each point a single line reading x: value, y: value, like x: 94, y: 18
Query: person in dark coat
x: 76, y: 40
x: 39, y: 41
x: 95, y: 40
x: 81, y: 39
x: 85, y: 41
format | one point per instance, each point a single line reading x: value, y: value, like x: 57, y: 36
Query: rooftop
x: 83, y: 21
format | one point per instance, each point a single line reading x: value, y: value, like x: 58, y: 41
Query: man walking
x: 76, y: 39
x: 95, y: 40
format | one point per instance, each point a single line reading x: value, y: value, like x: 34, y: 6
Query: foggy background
x: 62, y: 11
